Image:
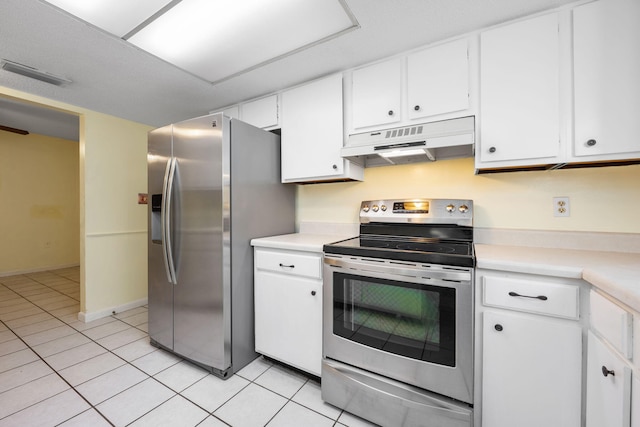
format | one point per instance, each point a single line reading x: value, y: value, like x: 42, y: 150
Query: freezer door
x: 160, y: 291
x: 200, y: 252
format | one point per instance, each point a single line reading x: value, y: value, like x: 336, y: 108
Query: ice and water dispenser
x: 156, y: 218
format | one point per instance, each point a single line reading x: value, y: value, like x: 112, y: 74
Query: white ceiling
x: 112, y: 76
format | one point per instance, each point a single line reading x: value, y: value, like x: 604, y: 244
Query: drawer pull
x: 287, y: 266
x: 607, y: 372
x: 540, y: 297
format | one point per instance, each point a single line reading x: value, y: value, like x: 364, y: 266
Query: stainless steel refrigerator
x: 214, y: 184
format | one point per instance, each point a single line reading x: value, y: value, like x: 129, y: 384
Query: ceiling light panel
x: 118, y: 17
x: 217, y: 39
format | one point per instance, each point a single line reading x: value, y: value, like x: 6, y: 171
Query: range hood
x: 425, y: 142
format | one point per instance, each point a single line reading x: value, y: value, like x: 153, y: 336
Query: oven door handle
x: 397, y: 269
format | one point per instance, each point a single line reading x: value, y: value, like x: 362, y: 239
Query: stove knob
x: 375, y: 208
x: 450, y: 208
x: 365, y: 208
x: 383, y: 208
x: 463, y: 208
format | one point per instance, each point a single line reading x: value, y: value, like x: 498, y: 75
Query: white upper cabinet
x: 520, y: 94
x: 606, y: 41
x: 427, y: 85
x: 312, y: 133
x: 438, y: 80
x: 262, y: 113
x: 377, y: 94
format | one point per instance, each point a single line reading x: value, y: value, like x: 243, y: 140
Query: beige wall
x: 39, y: 203
x: 603, y: 199
x: 113, y: 236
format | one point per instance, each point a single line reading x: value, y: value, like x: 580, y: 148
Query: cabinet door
x: 635, y: 400
x: 438, y: 80
x: 519, y: 91
x: 288, y: 319
x: 606, y: 69
x: 531, y: 371
x: 377, y: 94
x: 608, y: 386
x: 312, y: 133
x: 262, y: 113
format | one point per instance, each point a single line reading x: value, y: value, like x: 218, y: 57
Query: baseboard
x: 37, y: 270
x: 95, y: 315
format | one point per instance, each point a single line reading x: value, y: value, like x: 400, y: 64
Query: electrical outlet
x: 561, y: 206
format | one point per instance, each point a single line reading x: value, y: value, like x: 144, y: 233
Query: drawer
x: 613, y: 322
x: 289, y: 263
x: 553, y: 299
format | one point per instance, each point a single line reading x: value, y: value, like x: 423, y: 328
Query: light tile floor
x: 58, y: 371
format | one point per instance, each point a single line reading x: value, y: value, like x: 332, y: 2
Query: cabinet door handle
x: 313, y: 293
x: 390, y: 112
x: 498, y: 327
x: 591, y: 142
x: 335, y: 167
x: 607, y: 372
x: 287, y: 266
x: 492, y: 149
x: 416, y: 108
x: 540, y: 297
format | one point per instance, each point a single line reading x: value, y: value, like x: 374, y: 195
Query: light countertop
x: 307, y: 242
x: 615, y: 273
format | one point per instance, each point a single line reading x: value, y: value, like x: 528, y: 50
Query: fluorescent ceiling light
x: 117, y: 17
x: 217, y: 39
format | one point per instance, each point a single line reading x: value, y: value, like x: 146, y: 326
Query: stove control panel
x: 434, y: 211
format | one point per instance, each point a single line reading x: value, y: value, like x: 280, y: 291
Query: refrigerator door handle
x: 169, y: 178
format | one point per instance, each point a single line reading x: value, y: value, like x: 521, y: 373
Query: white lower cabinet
x: 635, y: 400
x: 531, y: 371
x: 288, y: 307
x: 608, y: 386
x: 530, y: 351
x: 612, y: 365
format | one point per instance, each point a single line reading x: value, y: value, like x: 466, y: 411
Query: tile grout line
x: 176, y: 393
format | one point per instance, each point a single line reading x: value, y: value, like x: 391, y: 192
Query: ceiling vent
x: 34, y: 73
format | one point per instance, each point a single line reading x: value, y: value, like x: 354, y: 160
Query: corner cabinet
x: 288, y: 307
x: 520, y: 94
x: 262, y: 113
x: 312, y: 134
x: 530, y: 350
x: 606, y: 62
x: 610, y: 371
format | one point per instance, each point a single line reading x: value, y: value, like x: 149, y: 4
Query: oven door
x: 409, y: 322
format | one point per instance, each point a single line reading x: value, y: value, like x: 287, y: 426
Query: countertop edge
x: 614, y: 273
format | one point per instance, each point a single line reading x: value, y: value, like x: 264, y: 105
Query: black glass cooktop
x: 432, y: 244
x: 432, y: 251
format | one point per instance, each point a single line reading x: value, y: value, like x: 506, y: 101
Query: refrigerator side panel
x: 160, y: 290
x: 260, y: 206
x: 199, y: 295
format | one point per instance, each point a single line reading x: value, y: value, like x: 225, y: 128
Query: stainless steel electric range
x: 398, y: 314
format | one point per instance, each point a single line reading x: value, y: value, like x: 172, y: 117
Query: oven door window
x: 409, y: 319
